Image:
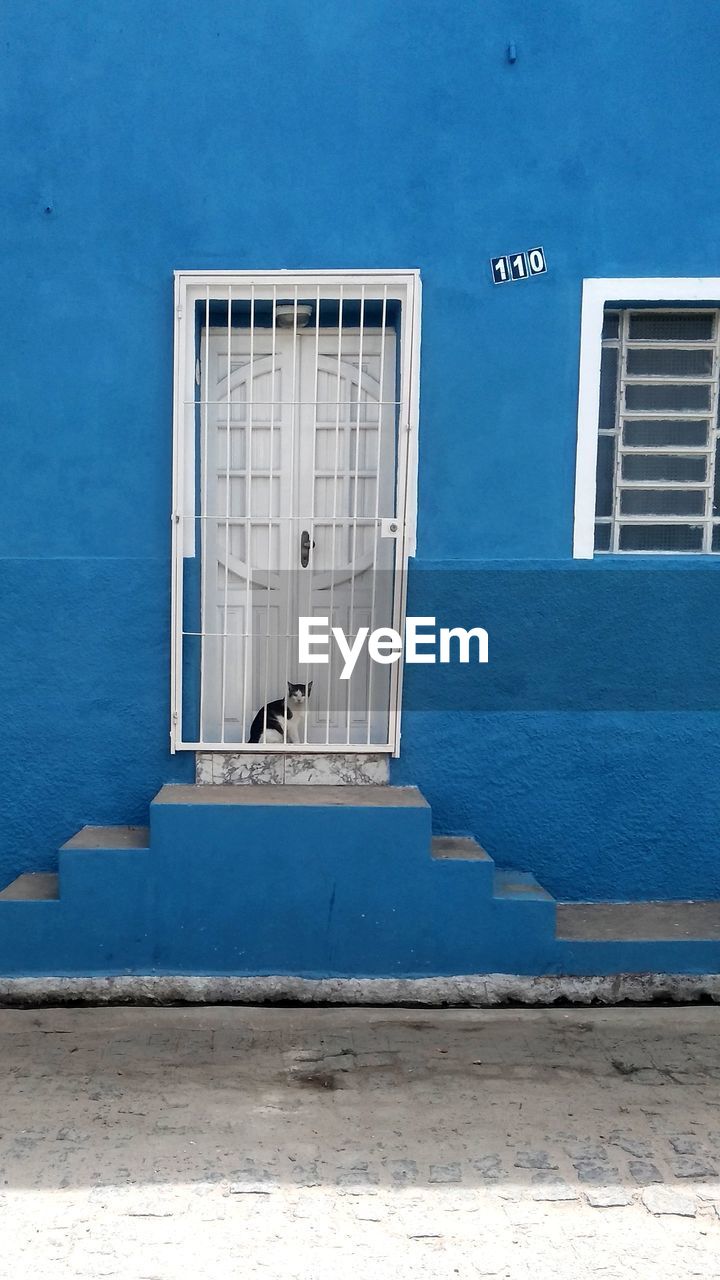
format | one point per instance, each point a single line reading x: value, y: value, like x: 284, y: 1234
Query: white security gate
x: 295, y: 461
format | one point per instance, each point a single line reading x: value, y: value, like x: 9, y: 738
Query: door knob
x: 306, y: 544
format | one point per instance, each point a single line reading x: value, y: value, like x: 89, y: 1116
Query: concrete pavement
x: 318, y: 1143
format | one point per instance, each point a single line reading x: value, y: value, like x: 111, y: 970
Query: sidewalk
x: 319, y: 1143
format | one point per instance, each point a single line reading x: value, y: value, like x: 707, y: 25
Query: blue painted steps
x: 311, y: 881
x: 92, y: 916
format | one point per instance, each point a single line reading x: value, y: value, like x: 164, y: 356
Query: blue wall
x: 140, y: 138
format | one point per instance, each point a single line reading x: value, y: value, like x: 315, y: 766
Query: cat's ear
x: 309, y: 688
x: 291, y: 686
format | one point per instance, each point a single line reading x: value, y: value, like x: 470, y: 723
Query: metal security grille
x: 295, y: 457
x: 658, y: 478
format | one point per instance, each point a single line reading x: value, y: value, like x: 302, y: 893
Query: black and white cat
x: 284, y: 719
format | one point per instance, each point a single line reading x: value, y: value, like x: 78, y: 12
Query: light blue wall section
x: 140, y: 138
x: 84, y: 688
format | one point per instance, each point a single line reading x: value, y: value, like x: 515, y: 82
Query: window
x: 651, y: 403
x: 657, y: 485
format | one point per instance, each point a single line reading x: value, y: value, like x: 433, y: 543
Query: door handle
x: 306, y: 544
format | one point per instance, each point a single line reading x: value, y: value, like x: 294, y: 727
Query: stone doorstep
x: 241, y: 768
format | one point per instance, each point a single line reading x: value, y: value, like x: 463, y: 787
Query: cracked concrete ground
x: 314, y: 1143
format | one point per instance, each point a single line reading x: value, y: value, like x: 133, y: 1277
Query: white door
x: 298, y: 488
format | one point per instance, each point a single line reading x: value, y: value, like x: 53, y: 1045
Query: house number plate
x: 518, y: 266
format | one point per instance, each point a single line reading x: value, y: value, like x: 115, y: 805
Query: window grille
x: 658, y: 478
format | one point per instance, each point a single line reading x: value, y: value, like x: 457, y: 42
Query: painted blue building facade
x: 139, y: 140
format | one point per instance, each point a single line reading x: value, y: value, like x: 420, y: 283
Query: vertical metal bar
x: 409, y: 388
x: 713, y: 439
x: 313, y: 482
x: 334, y: 515
x: 223, y: 679
x: 623, y: 330
x: 176, y: 522
x: 611, y: 344
x: 248, y: 496
x: 356, y: 483
x: 381, y: 411
x: 270, y: 495
x: 292, y: 558
x: 205, y: 659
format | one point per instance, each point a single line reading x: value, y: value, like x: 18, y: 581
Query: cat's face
x: 299, y: 692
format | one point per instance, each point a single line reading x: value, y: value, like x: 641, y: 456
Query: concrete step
x: 96, y: 839
x: 292, y: 795
x: 638, y: 921
x: 206, y: 828
x: 518, y: 886
x: 458, y: 847
x: 33, y: 886
x: 100, y: 862
x: 461, y: 859
x: 264, y: 865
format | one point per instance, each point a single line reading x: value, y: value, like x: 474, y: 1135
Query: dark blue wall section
x: 608, y: 636
x: 141, y: 138
x: 597, y: 805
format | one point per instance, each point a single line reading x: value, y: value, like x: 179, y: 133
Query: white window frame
x: 597, y: 294
x: 191, y: 287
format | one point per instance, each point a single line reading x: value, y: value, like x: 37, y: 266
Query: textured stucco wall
x: 84, y: 689
x: 137, y: 139
x: 583, y: 751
